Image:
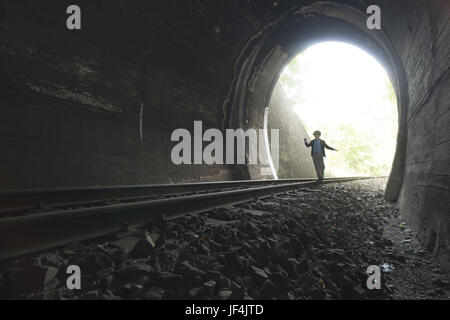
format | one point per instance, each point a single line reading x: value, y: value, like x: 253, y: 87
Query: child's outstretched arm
x: 328, y: 147
x: 306, y: 143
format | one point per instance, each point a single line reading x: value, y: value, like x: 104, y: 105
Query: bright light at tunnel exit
x: 345, y: 93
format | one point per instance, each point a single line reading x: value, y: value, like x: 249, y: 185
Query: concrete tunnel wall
x: 294, y: 158
x: 97, y: 106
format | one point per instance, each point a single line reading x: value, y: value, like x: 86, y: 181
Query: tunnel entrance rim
x: 267, y: 53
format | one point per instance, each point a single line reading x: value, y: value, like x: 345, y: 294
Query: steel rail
x: 27, y: 199
x: 35, y: 232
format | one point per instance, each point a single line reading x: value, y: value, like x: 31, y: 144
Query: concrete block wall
x: 420, y: 34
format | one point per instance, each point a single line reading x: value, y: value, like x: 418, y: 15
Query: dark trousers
x: 319, y: 165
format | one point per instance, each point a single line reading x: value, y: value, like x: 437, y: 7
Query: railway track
x: 36, y: 220
x: 35, y: 199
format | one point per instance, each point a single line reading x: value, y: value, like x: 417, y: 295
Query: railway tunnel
x: 97, y: 106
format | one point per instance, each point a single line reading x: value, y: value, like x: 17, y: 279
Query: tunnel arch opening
x: 341, y: 90
x: 263, y: 59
